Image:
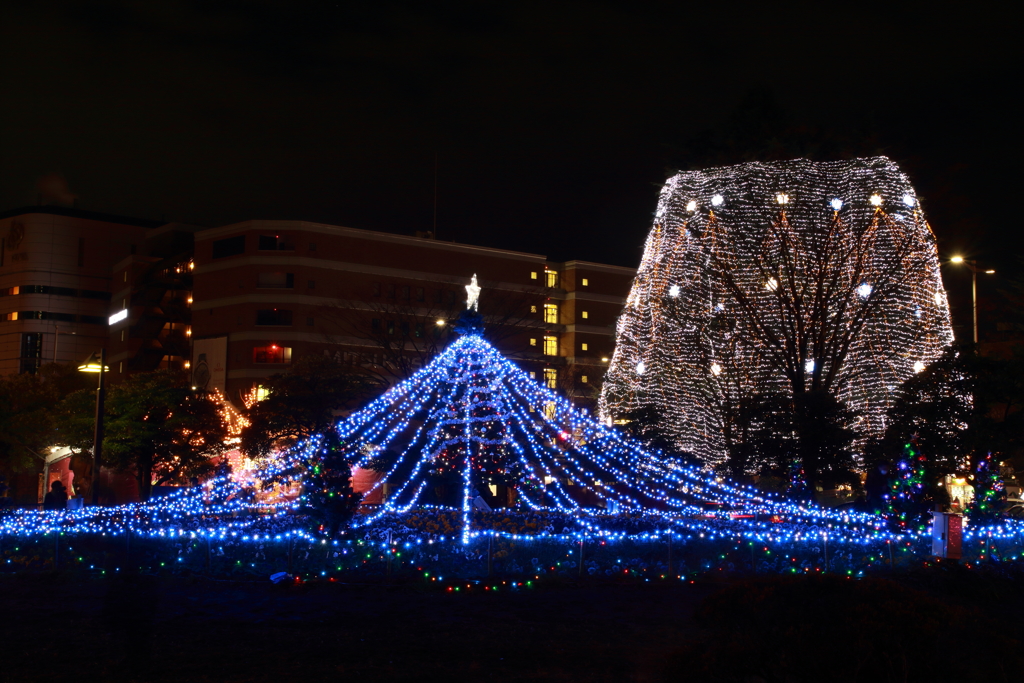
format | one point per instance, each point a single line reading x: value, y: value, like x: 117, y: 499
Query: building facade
x: 56, y: 276
x: 267, y: 292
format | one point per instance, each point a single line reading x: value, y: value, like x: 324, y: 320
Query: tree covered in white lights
x: 770, y: 284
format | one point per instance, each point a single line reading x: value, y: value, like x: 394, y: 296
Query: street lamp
x: 973, y: 265
x: 97, y: 363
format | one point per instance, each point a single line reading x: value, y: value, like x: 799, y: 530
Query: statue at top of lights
x: 473, y: 294
x: 470, y: 321
x: 777, y: 279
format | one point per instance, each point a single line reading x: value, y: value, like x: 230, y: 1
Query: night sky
x: 553, y: 124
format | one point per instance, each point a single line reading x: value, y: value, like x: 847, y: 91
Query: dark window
x: 275, y: 280
x: 31, y: 352
x: 93, y: 294
x: 404, y: 327
x: 312, y: 246
x: 451, y: 298
x: 3, y: 250
x: 375, y: 324
x: 132, y: 248
x: 309, y: 321
x: 93, y: 319
x: 390, y: 291
x: 376, y: 289
x: 273, y: 316
x: 420, y: 294
x: 420, y: 330
x: 405, y: 293
x: 81, y: 251
x: 391, y: 327
x: 231, y: 246
x: 274, y: 243
x: 312, y: 284
x: 439, y: 296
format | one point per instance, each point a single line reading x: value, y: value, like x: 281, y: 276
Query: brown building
x: 266, y: 292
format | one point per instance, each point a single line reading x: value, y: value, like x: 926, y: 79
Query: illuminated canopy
x: 777, y: 278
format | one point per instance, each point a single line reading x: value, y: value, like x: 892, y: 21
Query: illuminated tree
x: 162, y: 431
x: 785, y: 278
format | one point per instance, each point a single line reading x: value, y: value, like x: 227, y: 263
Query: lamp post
x: 973, y: 265
x: 97, y: 363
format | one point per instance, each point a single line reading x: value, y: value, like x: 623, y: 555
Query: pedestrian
x: 56, y: 498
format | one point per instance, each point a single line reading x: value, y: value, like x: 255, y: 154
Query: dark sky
x: 553, y: 123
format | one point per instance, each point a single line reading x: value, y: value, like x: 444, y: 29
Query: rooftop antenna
x: 435, y: 195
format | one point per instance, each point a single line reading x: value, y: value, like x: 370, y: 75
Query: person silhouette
x: 56, y: 498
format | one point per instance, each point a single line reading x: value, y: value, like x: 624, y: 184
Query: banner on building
x: 210, y: 364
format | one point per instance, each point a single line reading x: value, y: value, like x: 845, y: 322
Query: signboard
x: 210, y: 364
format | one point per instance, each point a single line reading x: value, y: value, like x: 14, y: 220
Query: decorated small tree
x: 328, y: 496
x: 988, y: 486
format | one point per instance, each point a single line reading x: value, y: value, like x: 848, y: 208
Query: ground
x: 934, y: 625
x: 72, y: 629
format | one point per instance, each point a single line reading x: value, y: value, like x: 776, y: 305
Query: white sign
x: 119, y: 316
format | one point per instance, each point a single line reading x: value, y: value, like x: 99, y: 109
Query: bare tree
x: 393, y: 330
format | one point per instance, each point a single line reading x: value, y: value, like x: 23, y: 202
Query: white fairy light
x: 909, y: 200
x: 809, y: 365
x: 918, y: 366
x: 744, y: 252
x: 674, y: 290
x: 782, y: 198
x: 691, y: 206
x: 641, y: 367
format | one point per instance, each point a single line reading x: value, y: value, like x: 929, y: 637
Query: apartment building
x: 266, y: 292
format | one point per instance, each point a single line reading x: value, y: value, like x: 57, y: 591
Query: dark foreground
x: 934, y: 625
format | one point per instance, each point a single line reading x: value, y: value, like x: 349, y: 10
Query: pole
x: 670, y: 554
x: 97, y: 444
x: 581, y: 557
x: 974, y: 296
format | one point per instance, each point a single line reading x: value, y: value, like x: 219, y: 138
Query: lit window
x: 551, y: 378
x: 261, y: 393
x: 585, y: 315
x: 551, y: 313
x: 533, y: 275
x: 584, y: 346
x: 533, y: 342
x: 533, y: 309
x: 533, y: 375
x: 583, y: 379
x: 551, y: 278
x: 550, y: 346
x: 12, y: 316
x: 272, y: 354
x: 586, y: 282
